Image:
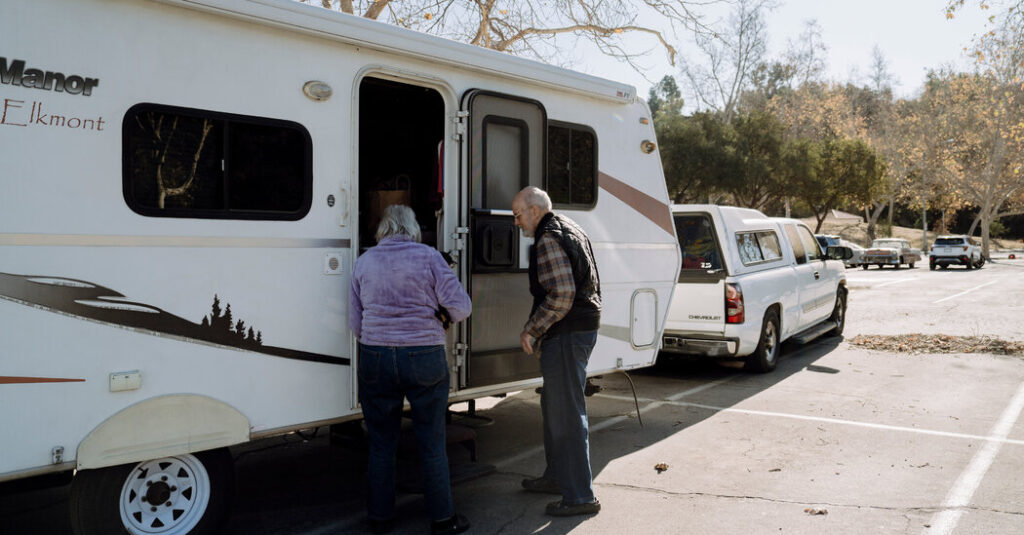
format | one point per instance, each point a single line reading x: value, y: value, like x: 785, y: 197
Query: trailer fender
x: 162, y: 427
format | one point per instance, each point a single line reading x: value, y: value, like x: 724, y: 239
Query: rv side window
x: 572, y: 165
x: 697, y: 243
x: 796, y: 244
x: 506, y: 151
x: 191, y: 163
x: 758, y: 247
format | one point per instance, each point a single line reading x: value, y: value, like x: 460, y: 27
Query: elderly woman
x: 397, y: 290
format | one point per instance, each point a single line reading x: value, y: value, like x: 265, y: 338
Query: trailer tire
x: 766, y: 355
x: 107, y: 500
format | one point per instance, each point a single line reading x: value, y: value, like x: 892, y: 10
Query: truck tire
x: 190, y: 495
x: 864, y: 267
x: 764, y: 358
x: 839, y: 313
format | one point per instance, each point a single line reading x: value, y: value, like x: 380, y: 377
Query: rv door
x: 505, y: 151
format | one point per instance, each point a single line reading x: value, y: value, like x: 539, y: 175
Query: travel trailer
x: 187, y: 184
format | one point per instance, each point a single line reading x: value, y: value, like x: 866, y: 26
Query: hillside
x: 858, y: 233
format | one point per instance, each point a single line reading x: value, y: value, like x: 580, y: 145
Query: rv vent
x: 332, y: 264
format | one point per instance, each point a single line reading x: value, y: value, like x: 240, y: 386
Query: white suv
x: 959, y: 249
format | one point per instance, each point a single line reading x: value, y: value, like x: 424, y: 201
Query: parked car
x: 890, y: 252
x: 749, y: 282
x: 957, y: 249
x: 827, y: 240
x: 858, y: 253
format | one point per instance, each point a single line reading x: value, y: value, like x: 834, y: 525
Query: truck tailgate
x: 698, y: 307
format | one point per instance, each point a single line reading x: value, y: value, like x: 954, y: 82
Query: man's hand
x: 526, y: 340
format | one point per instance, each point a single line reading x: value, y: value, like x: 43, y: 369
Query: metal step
x: 814, y: 332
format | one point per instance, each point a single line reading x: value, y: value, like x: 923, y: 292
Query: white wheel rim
x: 769, y: 341
x: 180, y: 486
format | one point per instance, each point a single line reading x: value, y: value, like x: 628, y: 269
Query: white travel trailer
x: 186, y: 185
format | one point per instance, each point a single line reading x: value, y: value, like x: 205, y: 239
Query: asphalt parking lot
x: 878, y: 442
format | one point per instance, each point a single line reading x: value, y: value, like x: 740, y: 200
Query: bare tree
x: 807, y: 55
x: 533, y: 28
x: 728, y: 61
x: 882, y: 79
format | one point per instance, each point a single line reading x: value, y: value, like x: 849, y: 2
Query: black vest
x: 585, y: 314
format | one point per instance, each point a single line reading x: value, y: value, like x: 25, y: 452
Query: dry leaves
x: 938, y: 343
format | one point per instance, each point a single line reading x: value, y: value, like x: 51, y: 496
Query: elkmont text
x: 19, y: 113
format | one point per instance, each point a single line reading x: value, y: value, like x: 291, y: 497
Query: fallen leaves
x: 816, y: 511
x: 661, y: 467
x: 938, y: 343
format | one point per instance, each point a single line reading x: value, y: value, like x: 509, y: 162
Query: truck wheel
x: 981, y: 262
x: 864, y: 267
x: 839, y: 313
x: 911, y: 265
x: 763, y: 358
x: 183, y: 494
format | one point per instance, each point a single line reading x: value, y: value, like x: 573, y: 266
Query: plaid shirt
x: 555, y: 274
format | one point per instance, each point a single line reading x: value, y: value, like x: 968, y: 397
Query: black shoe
x: 561, y: 508
x: 380, y: 526
x: 542, y: 485
x: 451, y: 526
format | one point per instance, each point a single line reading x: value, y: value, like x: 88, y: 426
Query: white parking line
x: 886, y: 427
x: 612, y: 421
x: 963, y: 490
x: 969, y: 290
x: 893, y: 282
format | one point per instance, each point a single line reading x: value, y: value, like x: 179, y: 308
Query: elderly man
x: 564, y: 320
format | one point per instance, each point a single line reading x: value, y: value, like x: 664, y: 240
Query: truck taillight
x: 733, y: 303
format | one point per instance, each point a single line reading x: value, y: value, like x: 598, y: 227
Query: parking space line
x: 886, y: 427
x: 614, y: 420
x: 969, y: 290
x: 970, y: 479
x: 894, y: 282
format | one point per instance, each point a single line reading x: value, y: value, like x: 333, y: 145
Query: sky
x: 914, y: 36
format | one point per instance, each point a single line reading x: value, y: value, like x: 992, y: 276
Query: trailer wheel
x: 764, y: 358
x: 839, y: 313
x: 183, y: 494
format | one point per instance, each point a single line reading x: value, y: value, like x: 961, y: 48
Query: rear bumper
x: 949, y: 260
x: 706, y: 346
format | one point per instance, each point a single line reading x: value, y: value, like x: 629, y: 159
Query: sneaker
x: 451, y: 526
x: 542, y: 485
x: 561, y: 508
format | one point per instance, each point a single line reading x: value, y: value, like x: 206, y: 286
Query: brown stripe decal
x: 648, y: 206
x: 4, y: 380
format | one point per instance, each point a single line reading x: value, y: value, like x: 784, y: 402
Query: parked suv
x: 749, y: 282
x: 958, y: 249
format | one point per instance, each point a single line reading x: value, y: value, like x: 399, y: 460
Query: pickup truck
x: 960, y: 249
x: 749, y: 282
x: 890, y: 252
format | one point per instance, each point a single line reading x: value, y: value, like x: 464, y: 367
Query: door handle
x: 817, y: 275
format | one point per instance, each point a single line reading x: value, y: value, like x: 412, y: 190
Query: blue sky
x: 914, y: 35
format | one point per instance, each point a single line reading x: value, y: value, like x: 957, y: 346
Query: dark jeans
x: 563, y: 364
x: 386, y: 376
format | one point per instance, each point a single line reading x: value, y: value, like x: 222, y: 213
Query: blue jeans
x: 386, y: 376
x: 563, y: 365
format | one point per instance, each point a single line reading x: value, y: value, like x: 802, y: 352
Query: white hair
x: 534, y: 196
x: 398, y: 219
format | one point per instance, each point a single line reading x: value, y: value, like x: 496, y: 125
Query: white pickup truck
x: 749, y: 282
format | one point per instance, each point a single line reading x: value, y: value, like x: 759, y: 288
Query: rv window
x: 192, y: 163
x: 697, y: 243
x: 572, y: 165
x: 506, y: 144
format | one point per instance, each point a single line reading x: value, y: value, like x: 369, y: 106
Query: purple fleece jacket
x: 396, y: 288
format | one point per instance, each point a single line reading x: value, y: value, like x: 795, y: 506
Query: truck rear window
x: 697, y: 242
x: 758, y: 247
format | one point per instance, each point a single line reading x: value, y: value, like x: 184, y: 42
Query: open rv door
x: 505, y: 151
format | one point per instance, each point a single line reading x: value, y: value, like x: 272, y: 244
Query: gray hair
x: 398, y: 219
x: 534, y: 196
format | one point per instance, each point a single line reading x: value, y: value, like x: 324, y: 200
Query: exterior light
x: 317, y: 91
x: 647, y: 146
